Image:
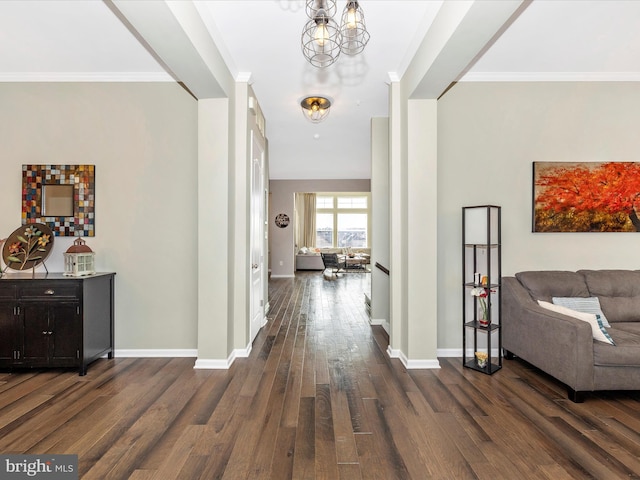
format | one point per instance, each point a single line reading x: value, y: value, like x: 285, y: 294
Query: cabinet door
x: 8, y: 333
x: 37, y: 332
x: 52, y: 334
x: 66, y: 339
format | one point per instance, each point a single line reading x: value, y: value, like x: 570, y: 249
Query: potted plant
x: 481, y: 293
x: 481, y: 359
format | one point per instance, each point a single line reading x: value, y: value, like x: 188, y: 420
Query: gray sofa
x: 563, y: 346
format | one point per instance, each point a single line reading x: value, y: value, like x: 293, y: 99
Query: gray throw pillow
x: 584, y: 305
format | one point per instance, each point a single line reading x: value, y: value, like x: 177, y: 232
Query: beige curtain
x: 305, y: 221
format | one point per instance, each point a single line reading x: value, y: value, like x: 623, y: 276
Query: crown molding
x: 551, y: 77
x: 243, y: 77
x: 85, y: 77
x: 393, y: 77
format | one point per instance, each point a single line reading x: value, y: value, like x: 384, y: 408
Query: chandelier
x: 315, y: 109
x: 353, y: 30
x: 323, y: 40
x: 329, y: 7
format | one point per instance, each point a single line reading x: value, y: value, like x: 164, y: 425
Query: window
x: 324, y: 229
x: 352, y: 202
x: 352, y: 229
x: 323, y: 201
x: 342, y: 220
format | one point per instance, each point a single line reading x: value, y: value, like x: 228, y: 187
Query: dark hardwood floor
x: 318, y: 399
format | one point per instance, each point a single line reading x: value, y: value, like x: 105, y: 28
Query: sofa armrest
x: 559, y: 345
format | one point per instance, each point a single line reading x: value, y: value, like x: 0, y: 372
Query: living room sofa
x: 562, y: 345
x: 309, y: 258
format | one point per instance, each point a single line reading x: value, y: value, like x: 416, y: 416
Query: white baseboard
x: 212, y: 364
x: 425, y: 364
x: 283, y: 276
x: 457, y: 352
x: 222, y: 364
x: 449, y: 352
x: 393, y: 352
x: 201, y: 363
x: 241, y: 352
x: 412, y: 364
x: 382, y: 322
x: 155, y: 352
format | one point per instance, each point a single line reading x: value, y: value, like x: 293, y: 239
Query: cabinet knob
x: 49, y: 291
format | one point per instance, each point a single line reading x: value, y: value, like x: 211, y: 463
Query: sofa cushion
x: 618, y: 292
x: 627, y: 349
x: 543, y: 285
x: 582, y: 304
x: 597, y: 329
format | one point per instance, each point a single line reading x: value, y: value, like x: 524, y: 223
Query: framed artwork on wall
x: 282, y: 220
x: 61, y: 197
x: 586, y: 197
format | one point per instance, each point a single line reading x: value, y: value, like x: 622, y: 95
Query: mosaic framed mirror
x: 61, y: 197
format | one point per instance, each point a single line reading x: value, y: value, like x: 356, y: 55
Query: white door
x: 257, y: 235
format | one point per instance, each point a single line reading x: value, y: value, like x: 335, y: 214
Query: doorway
x: 258, y: 215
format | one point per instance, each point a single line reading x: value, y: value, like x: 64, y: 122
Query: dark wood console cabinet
x: 49, y: 320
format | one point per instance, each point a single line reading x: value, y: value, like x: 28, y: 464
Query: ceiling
x: 71, y: 40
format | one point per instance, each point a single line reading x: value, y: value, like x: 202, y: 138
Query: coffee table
x: 357, y: 262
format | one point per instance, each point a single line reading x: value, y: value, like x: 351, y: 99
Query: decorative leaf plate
x: 27, y: 247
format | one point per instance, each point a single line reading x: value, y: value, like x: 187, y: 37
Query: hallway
x: 318, y: 398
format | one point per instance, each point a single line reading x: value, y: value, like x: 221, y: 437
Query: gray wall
x: 488, y: 136
x: 142, y: 138
x: 281, y: 199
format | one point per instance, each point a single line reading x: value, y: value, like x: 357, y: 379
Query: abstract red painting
x: 586, y: 196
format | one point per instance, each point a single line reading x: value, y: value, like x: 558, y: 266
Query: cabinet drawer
x: 7, y: 292
x: 41, y: 291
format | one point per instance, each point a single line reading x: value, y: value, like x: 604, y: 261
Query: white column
x: 397, y: 223
x: 422, y: 233
x: 239, y: 248
x: 214, y: 308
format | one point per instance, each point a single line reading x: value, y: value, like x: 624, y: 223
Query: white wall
x: 282, y: 193
x: 488, y: 136
x: 142, y: 138
x: 380, y: 223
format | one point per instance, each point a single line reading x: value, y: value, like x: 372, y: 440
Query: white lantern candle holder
x: 79, y: 260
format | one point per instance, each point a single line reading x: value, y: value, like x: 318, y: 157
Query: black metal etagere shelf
x: 481, y: 274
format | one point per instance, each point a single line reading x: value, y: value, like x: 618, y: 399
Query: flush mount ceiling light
x: 315, y: 109
x: 321, y: 39
x: 353, y: 29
